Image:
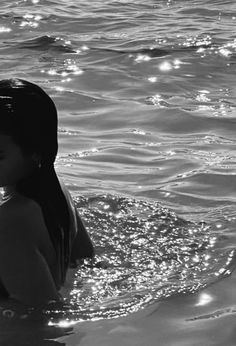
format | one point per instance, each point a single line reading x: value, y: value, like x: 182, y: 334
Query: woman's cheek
x: 7, y: 175
x: 10, y: 173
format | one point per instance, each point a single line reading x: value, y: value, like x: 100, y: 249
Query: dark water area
x: 146, y: 101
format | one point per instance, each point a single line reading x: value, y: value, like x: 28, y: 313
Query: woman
x: 40, y: 229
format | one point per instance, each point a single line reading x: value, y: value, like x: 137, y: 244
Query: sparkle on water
x: 144, y: 253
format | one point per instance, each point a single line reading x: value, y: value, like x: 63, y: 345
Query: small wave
x: 45, y: 43
x: 155, y: 52
x: 73, y: 157
x: 217, y: 103
x: 152, y: 52
x: 213, y: 315
x: 68, y: 132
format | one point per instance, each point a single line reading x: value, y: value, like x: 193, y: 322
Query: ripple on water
x: 217, y: 103
x: 46, y: 43
x: 144, y: 253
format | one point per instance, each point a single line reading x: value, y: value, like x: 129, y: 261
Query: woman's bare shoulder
x: 20, y: 213
x: 19, y: 206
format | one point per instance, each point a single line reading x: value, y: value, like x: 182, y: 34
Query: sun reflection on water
x: 144, y: 253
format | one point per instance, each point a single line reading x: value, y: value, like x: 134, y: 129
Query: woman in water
x: 40, y: 229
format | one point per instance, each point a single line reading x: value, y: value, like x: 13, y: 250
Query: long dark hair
x: 29, y: 116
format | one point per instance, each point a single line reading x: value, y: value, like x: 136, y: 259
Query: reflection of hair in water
x: 29, y: 116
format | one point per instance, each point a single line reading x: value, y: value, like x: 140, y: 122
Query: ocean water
x: 146, y: 98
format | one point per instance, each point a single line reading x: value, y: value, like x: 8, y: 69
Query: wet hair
x: 29, y: 116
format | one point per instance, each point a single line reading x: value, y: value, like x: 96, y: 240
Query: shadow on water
x: 15, y: 334
x: 21, y: 328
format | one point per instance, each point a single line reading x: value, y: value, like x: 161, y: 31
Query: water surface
x: 146, y: 101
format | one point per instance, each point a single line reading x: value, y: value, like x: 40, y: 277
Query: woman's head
x: 29, y: 116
